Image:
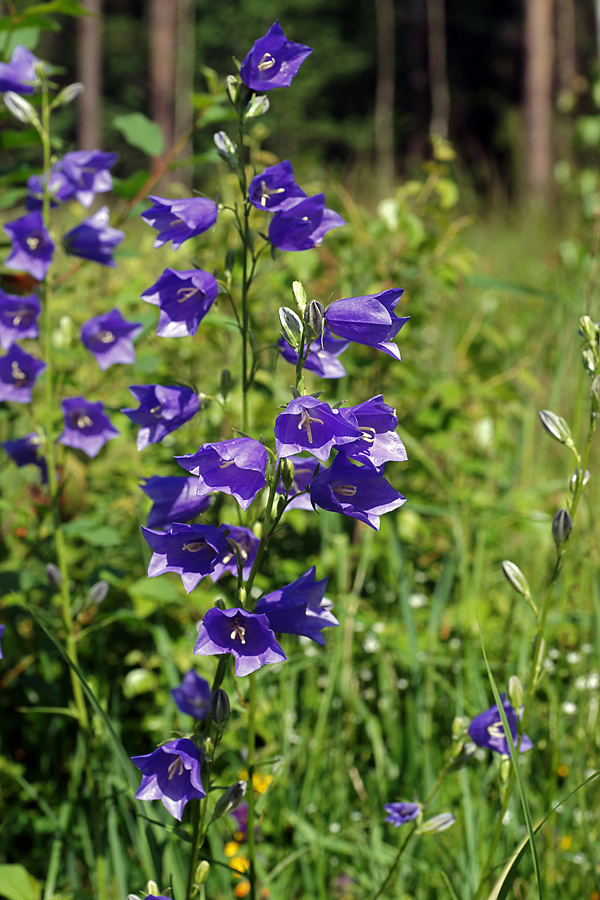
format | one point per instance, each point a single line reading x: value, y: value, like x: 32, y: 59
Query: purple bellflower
x: 109, y: 338
x: 60, y: 189
x: 304, y: 470
x: 184, y: 299
x: 245, y: 543
x: 323, y: 355
x: 303, y: 225
x: 94, y: 239
x: 368, y: 320
x: 175, y: 499
x: 180, y: 220
x: 86, y: 426
x: 486, y: 729
x: 161, y: 410
x: 2, y: 630
x: 299, y: 608
x: 18, y: 372
x: 87, y: 172
x: 401, y: 813
x: 235, y: 467
x: 247, y: 636
x: 172, y: 775
x: 192, y: 695
x: 273, y: 61
x: 32, y: 246
x: 26, y: 451
x: 18, y: 318
x: 275, y: 188
x: 356, y: 491
x: 191, y: 551
x: 379, y: 442
x: 312, y: 425
x: 19, y: 74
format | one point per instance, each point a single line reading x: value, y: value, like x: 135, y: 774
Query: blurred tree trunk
x: 384, y: 104
x: 89, y: 73
x: 416, y: 58
x: 163, y: 32
x: 438, y: 79
x: 538, y: 92
x: 566, y: 50
x: 184, y: 82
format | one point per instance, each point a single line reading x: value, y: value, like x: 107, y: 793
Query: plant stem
x: 251, y: 749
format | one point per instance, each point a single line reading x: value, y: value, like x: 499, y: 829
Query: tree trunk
x: 89, y: 73
x: 184, y: 82
x: 566, y: 49
x: 538, y: 92
x: 163, y: 28
x: 438, y: 81
x: 418, y: 82
x: 384, y: 104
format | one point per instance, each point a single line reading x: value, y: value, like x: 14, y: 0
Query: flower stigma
x: 267, y: 62
x: 305, y: 422
x: 176, y: 768
x: 17, y: 374
x: 345, y: 490
x: 238, y: 632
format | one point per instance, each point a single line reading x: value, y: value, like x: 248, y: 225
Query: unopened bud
x: 291, y: 326
x: 219, y: 709
x: 578, y: 475
x: 588, y: 358
x: 225, y: 383
x: 588, y: 329
x: 68, y: 94
x: 516, y: 579
x: 202, y: 872
x: 226, y: 149
x: 515, y: 693
x: 97, y: 593
x: 258, y: 106
x: 54, y: 576
x: 232, y: 797
x: 504, y: 769
x: 313, y: 319
x: 207, y: 750
x: 595, y: 393
x: 152, y: 887
x: 220, y: 603
x: 21, y: 109
x: 461, y: 756
x: 459, y: 725
x: 287, y: 474
x: 556, y: 427
x: 299, y: 295
x: 231, y: 86
x: 562, y: 526
x: 437, y: 824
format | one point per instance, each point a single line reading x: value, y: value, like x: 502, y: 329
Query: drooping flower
x: 18, y: 318
x: 379, y: 442
x: 245, y: 543
x: 110, y: 338
x: 2, y: 630
x: 86, y: 426
x: 175, y: 499
x: 60, y: 189
x: 26, y: 451
x: 312, y: 425
x: 192, y: 695
x: 356, y: 491
x: 18, y: 373
x: 401, y: 813
x: 87, y: 172
x: 184, y: 299
x: 304, y: 470
x: 368, y: 320
x: 303, y: 225
x: 191, y: 551
x: 171, y: 774
x: 32, y: 246
x: 299, y: 608
x: 94, y: 239
x: 273, y: 61
x: 486, y: 729
x: 247, y: 636
x: 235, y: 467
x: 19, y: 74
x: 161, y: 410
x: 275, y: 188
x: 323, y: 355
x: 180, y: 220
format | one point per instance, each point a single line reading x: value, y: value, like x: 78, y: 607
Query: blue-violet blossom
x: 379, y: 442
x: 368, y: 320
x: 245, y: 543
x: 486, y: 729
x: 356, y: 491
x: 322, y: 357
x: 184, y: 299
x: 180, y: 220
x: 192, y: 695
x: 175, y: 498
x: 275, y: 188
x: 235, y: 467
x: 94, y: 239
x: 171, y: 774
x: 299, y: 608
x: 247, y: 636
x: 19, y: 74
x: 32, y: 246
x: 18, y: 373
x: 191, y: 551
x: 303, y: 225
x: 401, y: 813
x: 110, y: 338
x: 273, y: 61
x: 161, y: 410
x: 311, y: 424
x: 26, y: 451
x: 86, y: 426
x: 18, y: 318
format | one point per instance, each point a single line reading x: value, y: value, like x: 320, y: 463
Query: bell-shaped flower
x: 486, y: 729
x: 60, y: 189
x: 87, y: 172
x: 86, y: 426
x: 275, y: 188
x: 243, y: 543
x: 303, y: 225
x: 172, y: 775
x: 368, y: 320
x: 401, y: 813
x: 191, y: 551
x: 180, y: 220
x: 94, y: 239
x: 273, y: 61
x: 110, y: 338
x: 192, y: 695
x: 161, y: 410
x: 356, y: 491
x: 19, y: 74
x: 32, y: 246
x: 322, y: 357
x: 304, y: 469
x: 175, y: 498
x: 312, y: 425
x: 26, y: 451
x: 184, y: 299
x: 2, y: 630
x: 18, y: 373
x: 247, y: 636
x: 299, y: 608
x: 379, y: 442
x: 18, y: 318
x: 235, y: 467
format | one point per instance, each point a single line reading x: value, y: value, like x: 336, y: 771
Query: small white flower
x: 569, y: 708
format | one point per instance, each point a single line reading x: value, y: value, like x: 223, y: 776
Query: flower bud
x: 313, y: 320
x: 437, y: 824
x: 515, y: 693
x: 225, y: 383
x: 218, y: 707
x: 231, y: 86
x: 287, y: 474
x: 588, y: 358
x: 556, y: 427
x: 97, y: 593
x: 516, y: 579
x: 504, y: 769
x: 461, y: 756
x: 291, y: 326
x: 21, y: 109
x: 595, y: 394
x: 576, y: 476
x: 258, y: 106
x: 54, y: 576
x: 232, y: 797
x: 562, y: 525
x: 220, y: 603
x: 202, y: 872
x: 68, y: 94
x: 152, y: 887
x: 299, y: 295
x: 588, y: 329
x: 459, y: 725
x: 207, y: 750
x: 226, y: 149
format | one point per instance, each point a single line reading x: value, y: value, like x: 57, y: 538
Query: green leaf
x: 27, y: 37
x: 60, y: 7
x: 17, y: 884
x: 90, y: 533
x: 141, y: 133
x: 33, y: 21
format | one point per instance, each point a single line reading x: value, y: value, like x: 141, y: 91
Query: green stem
x: 245, y: 233
x: 267, y: 529
x: 199, y: 817
x: 251, y: 750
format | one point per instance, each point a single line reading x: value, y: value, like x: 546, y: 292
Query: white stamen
x: 267, y: 62
x: 345, y: 490
x: 176, y: 768
x: 238, y: 632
